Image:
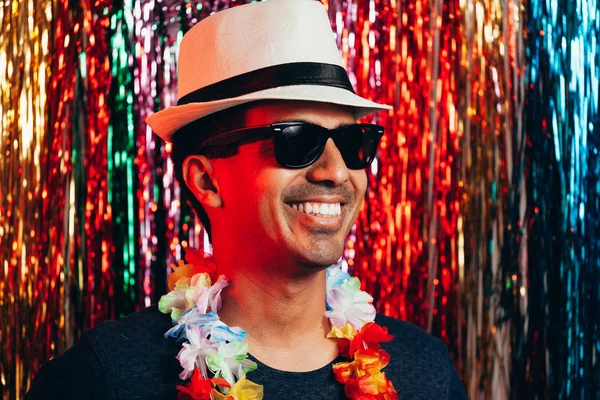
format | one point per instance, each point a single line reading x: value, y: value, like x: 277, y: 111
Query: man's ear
x: 198, y: 176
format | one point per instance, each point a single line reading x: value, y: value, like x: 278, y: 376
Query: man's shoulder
x: 410, y: 335
x: 136, y: 358
x: 130, y: 337
x: 125, y: 358
x: 146, y: 324
x: 135, y: 343
x: 419, y: 362
x: 413, y: 343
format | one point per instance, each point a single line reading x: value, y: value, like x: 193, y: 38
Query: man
x: 267, y: 148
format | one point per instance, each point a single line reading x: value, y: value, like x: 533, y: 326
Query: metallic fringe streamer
x: 53, y: 213
x: 560, y: 346
x: 33, y: 196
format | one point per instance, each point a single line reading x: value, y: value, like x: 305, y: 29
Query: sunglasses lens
x: 297, y: 146
x: 358, y: 145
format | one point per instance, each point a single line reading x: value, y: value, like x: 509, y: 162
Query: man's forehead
x: 324, y: 114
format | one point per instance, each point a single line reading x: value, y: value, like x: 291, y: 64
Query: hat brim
x: 166, y: 122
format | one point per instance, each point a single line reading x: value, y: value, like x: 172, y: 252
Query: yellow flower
x: 345, y: 332
x: 243, y: 389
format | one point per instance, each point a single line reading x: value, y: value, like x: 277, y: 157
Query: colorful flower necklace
x: 211, y: 345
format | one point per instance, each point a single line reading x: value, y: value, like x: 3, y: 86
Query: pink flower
x: 208, y: 299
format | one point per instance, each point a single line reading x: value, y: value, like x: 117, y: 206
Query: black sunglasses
x: 300, y: 144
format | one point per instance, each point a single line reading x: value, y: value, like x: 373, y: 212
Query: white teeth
x: 308, y: 208
x: 324, y: 209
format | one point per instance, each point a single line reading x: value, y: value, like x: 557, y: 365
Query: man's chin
x: 321, y: 256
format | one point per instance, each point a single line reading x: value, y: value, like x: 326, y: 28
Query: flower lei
x: 211, y: 345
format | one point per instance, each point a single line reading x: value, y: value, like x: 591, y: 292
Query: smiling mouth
x: 327, y: 210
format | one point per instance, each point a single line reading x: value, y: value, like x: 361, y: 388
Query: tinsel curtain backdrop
x: 481, y: 223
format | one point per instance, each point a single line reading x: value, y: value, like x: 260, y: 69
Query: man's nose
x: 330, y: 167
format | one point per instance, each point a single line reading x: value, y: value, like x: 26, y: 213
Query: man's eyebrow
x: 266, y: 149
x: 293, y: 120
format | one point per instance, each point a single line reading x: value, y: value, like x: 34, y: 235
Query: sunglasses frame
x: 251, y: 134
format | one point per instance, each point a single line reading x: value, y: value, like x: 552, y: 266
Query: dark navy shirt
x: 130, y: 359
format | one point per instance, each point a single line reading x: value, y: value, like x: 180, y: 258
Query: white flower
x: 229, y: 361
x: 194, y: 353
x: 350, y: 305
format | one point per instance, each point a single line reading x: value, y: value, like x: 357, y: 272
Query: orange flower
x: 363, y: 378
x: 343, y: 371
x: 198, y: 263
x: 355, y: 389
x: 364, y: 362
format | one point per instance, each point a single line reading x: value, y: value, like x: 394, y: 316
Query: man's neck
x: 282, y: 312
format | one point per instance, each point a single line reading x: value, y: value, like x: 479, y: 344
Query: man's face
x: 261, y: 199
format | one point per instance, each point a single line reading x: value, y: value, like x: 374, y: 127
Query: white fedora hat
x: 271, y: 50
